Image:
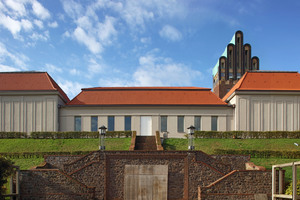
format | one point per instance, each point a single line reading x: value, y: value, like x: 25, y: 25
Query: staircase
x: 145, y: 143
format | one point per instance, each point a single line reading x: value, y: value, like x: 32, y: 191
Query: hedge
x: 78, y: 135
x: 12, y: 135
x: 247, y: 134
x: 63, y: 135
x: 259, y: 154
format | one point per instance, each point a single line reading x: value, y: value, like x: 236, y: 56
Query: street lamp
x: 102, y: 132
x: 191, y: 131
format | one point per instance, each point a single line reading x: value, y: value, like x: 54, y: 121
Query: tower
x: 232, y: 65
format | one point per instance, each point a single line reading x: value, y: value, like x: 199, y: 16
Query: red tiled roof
x: 266, y: 81
x: 146, y: 96
x: 29, y: 81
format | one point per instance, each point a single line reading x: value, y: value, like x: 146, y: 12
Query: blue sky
x: 142, y: 42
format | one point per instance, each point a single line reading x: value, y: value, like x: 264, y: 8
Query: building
x: 232, y: 65
x: 29, y: 102
x: 146, y: 110
x: 266, y: 101
x: 259, y: 101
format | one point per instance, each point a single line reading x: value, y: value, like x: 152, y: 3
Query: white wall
x: 267, y: 112
x: 225, y: 117
x: 27, y: 113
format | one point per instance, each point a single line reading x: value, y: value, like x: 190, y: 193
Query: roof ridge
x: 144, y: 88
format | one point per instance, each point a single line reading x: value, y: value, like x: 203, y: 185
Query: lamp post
x: 102, y: 132
x: 191, y: 131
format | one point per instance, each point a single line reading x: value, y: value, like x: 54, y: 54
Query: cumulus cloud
x: 17, y: 58
x: 20, y: 15
x: 5, y: 68
x: 170, y: 33
x: 40, y: 11
x: 53, y: 24
x: 160, y: 71
x: 52, y: 68
x: 88, y: 40
x: 71, y: 88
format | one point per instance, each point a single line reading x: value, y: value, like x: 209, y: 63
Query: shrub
x: 12, y: 135
x: 6, y: 169
x: 289, y: 189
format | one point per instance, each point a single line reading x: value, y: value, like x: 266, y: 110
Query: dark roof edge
x: 150, y: 105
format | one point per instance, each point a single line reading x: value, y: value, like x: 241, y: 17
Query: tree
x: 6, y: 169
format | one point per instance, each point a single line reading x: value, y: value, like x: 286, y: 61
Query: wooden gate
x: 146, y: 182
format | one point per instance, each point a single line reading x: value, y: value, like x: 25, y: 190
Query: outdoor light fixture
x: 102, y: 132
x: 191, y: 131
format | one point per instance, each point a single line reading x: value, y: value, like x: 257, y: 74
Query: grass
x: 209, y: 145
x: 61, y: 145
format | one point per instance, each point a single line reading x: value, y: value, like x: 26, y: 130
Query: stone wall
x: 238, y: 185
x: 52, y: 184
x: 100, y: 175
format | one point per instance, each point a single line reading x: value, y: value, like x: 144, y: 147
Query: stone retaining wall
x: 100, y: 175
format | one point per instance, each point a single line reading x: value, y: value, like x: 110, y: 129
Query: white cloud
x: 17, y: 7
x: 5, y: 68
x: 40, y: 11
x: 12, y: 25
x: 53, y: 24
x: 88, y: 40
x: 43, y: 36
x: 71, y: 88
x: 160, y: 71
x: 38, y: 23
x: 17, y: 58
x: 74, y: 72
x: 107, y: 30
x: 170, y: 33
x: 26, y: 24
x: 52, y: 68
x: 94, y: 67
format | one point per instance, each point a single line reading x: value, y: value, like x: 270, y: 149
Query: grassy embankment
x: 206, y: 145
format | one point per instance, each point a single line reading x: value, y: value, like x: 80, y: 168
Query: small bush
x: 289, y: 189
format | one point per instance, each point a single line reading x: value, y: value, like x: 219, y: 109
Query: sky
x: 108, y: 43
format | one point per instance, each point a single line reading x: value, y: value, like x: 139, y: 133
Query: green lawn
x: 63, y: 145
x: 209, y: 145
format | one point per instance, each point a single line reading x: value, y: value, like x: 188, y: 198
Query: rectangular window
x: 197, y: 123
x: 111, y: 123
x: 214, y: 123
x: 94, y: 123
x: 163, y: 123
x: 77, y: 122
x: 127, y: 123
x: 180, y: 124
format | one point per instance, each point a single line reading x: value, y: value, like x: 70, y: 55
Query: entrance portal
x: 146, y: 125
x: 146, y: 182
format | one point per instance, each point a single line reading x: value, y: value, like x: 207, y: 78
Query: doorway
x: 146, y: 126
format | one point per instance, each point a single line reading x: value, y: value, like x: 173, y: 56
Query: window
x: 180, y: 124
x: 77, y: 122
x: 127, y: 123
x: 94, y: 123
x: 163, y: 123
x: 111, y: 123
x: 197, y: 123
x: 214, y: 123
x: 230, y: 75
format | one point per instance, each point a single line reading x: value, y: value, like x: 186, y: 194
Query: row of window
x: 181, y: 126
x: 163, y: 123
x: 110, y: 123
